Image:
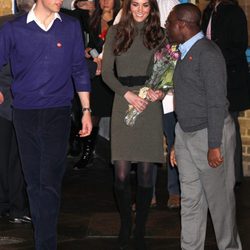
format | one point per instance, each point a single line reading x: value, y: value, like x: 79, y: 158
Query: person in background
x: 205, y: 134
x: 42, y: 90
x: 225, y: 23
x: 169, y: 122
x: 101, y: 95
x: 129, y: 48
x: 81, y: 10
x: 13, y: 196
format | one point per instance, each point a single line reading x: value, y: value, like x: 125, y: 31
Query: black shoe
x: 75, y: 148
x: 85, y: 159
x: 20, y: 220
x: 87, y: 150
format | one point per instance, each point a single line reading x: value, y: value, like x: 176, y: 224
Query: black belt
x: 132, y: 81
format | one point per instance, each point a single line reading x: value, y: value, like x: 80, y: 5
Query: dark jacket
x: 83, y: 17
x: 229, y: 32
x: 95, y: 37
x: 5, y: 82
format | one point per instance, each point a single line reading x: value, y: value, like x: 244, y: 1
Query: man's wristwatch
x: 86, y: 109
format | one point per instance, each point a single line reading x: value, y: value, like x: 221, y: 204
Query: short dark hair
x: 189, y: 13
x: 25, y: 5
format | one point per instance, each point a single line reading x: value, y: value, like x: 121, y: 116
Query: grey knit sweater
x: 200, y: 91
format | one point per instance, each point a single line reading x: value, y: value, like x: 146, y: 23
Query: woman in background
x: 225, y: 23
x: 101, y: 97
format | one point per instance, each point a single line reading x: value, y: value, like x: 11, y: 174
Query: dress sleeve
x: 108, y: 66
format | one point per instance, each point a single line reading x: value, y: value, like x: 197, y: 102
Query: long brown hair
x: 97, y: 14
x: 126, y: 31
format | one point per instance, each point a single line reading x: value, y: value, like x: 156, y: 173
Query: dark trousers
x: 169, y: 122
x: 238, y: 150
x: 13, y: 197
x: 43, y: 137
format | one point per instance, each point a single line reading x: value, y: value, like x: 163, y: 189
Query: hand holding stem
x: 137, y: 102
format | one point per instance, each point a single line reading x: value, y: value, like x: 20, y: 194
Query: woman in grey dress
x: 127, y: 61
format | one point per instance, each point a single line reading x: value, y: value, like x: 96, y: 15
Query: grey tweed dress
x: 144, y: 141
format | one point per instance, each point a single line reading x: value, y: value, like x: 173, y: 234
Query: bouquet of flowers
x: 161, y: 78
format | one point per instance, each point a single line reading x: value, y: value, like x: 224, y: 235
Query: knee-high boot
x: 123, y: 198
x: 88, y: 145
x: 143, y: 199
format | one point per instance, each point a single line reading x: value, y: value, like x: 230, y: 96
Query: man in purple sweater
x: 46, y: 52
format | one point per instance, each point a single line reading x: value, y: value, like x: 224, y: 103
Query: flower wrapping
x: 161, y: 78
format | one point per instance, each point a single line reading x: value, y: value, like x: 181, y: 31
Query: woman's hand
x: 155, y: 95
x: 98, y: 61
x: 87, y: 50
x: 137, y: 102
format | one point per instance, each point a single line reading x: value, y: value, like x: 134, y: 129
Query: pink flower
x: 168, y: 46
x: 176, y: 55
x: 158, y: 56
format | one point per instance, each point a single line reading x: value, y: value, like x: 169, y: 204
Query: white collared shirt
x: 185, y: 47
x: 32, y: 17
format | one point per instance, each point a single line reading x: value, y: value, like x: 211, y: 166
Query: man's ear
x: 182, y: 24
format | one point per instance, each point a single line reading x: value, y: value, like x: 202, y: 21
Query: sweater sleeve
x: 108, y: 66
x: 213, y: 73
x: 80, y: 71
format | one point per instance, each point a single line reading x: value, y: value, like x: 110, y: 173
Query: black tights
x: 144, y: 174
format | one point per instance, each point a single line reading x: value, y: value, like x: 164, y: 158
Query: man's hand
x: 86, y: 124
x: 1, y: 98
x: 137, y: 102
x: 214, y: 157
x: 173, y: 161
x: 86, y: 116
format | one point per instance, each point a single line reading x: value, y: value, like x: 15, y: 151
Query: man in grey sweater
x: 205, y: 134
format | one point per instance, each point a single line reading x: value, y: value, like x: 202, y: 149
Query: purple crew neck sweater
x: 44, y: 63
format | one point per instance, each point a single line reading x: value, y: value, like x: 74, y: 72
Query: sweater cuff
x: 214, y: 144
